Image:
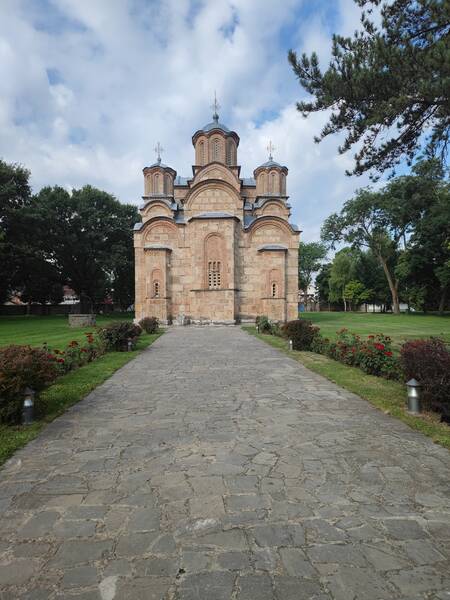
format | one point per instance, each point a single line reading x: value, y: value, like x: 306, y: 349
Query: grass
x: 400, y: 328
x: 388, y: 396
x: 66, y: 391
x: 36, y: 330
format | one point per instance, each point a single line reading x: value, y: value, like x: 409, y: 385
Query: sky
x: 88, y: 87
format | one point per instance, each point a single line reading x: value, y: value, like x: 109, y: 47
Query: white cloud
x: 87, y: 88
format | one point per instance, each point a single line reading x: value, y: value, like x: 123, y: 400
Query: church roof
x: 215, y: 125
x: 271, y: 163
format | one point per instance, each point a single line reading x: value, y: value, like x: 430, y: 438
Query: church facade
x: 216, y: 247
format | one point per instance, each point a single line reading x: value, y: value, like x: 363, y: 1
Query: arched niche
x: 208, y: 196
x: 161, y: 232
x: 215, y: 267
x: 156, y: 209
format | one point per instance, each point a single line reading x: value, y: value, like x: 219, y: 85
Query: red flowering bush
x: 22, y: 367
x: 345, y: 348
x: 428, y: 361
x: 115, y: 336
x: 375, y: 356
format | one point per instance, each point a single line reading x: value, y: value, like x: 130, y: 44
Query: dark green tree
x: 15, y: 195
x: 310, y: 257
x: 387, y: 87
x: 88, y: 235
x: 323, y: 283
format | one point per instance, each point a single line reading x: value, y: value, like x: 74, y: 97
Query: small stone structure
x: 81, y: 320
x: 216, y: 247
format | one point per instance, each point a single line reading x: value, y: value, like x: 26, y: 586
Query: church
x: 216, y: 247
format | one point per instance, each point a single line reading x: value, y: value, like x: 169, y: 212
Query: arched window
x: 214, y: 274
x: 167, y: 185
x: 272, y: 183
x: 156, y: 188
x: 274, y: 289
x: 230, y: 153
x: 216, y: 149
x: 263, y: 179
x: 156, y: 289
x: 283, y: 184
x: 201, y: 153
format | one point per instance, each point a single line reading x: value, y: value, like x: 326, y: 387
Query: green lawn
x: 400, y: 327
x: 388, y: 396
x: 67, y: 390
x: 55, y: 330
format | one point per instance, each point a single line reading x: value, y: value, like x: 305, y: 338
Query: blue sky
x: 87, y: 88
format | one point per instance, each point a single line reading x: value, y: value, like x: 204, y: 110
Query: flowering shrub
x: 116, y: 335
x: 375, y: 357
x: 149, y: 324
x: 428, y: 361
x: 302, y: 333
x: 22, y: 367
x: 345, y: 348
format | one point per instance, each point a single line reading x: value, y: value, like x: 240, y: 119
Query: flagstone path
x: 213, y: 467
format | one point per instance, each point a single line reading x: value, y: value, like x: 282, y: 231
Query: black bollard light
x: 28, y: 407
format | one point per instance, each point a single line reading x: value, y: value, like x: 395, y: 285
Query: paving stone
x: 297, y: 588
x: 234, y: 561
x: 404, y: 529
x: 40, y: 525
x: 17, y: 572
x: 211, y: 467
x: 75, y: 552
x: 255, y: 586
x: 79, y: 577
x: 296, y: 564
x: 205, y: 586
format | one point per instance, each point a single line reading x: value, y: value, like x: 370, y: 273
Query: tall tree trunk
x: 393, y: 286
x: 443, y: 300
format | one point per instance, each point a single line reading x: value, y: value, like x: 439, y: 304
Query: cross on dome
x: 215, y: 106
x: 270, y: 149
x: 158, y: 150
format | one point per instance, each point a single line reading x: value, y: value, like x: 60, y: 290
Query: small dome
x: 270, y: 163
x: 215, y: 125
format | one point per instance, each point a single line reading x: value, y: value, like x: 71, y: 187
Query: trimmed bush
x: 116, y: 335
x: 149, y: 324
x: 22, y: 367
x: 264, y: 324
x: 302, y: 333
x: 428, y: 361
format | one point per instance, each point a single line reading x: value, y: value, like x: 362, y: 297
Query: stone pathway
x: 213, y: 467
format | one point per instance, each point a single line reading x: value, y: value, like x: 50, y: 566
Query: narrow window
x: 274, y: 290
x: 272, y: 183
x: 230, y: 153
x: 201, y: 153
x: 156, y: 183
x: 156, y: 289
x: 216, y: 149
x: 214, y: 274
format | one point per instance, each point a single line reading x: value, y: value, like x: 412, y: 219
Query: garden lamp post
x: 291, y: 345
x: 28, y: 407
x: 130, y: 344
x: 413, y: 388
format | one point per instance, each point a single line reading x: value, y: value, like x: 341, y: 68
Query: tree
x: 310, y: 257
x: 323, y: 282
x: 356, y: 293
x: 88, y: 236
x: 15, y: 194
x: 386, y: 87
x: 341, y: 273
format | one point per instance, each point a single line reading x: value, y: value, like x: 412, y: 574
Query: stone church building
x: 216, y: 247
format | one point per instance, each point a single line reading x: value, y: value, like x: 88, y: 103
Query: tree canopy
x: 387, y: 88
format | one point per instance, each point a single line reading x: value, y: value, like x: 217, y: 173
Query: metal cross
x: 215, y: 106
x: 158, y: 150
x: 270, y: 149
